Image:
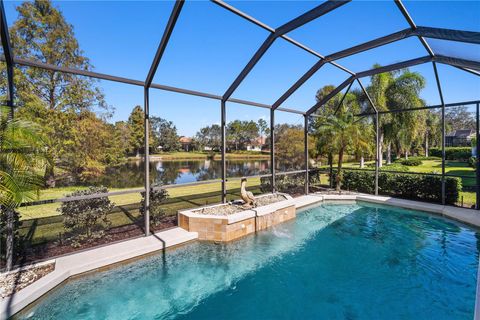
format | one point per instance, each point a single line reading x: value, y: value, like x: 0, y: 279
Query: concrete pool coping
x: 98, y: 258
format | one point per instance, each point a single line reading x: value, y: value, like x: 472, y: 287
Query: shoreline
x: 202, y: 156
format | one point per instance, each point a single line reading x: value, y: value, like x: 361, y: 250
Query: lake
x: 130, y: 175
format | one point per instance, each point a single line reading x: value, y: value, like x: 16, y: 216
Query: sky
x: 210, y: 46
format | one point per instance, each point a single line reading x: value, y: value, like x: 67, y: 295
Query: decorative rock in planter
x: 227, y: 222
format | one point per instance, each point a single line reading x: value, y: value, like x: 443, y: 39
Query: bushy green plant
x: 86, y: 219
x: 472, y: 162
x: 289, y: 183
x: 409, y: 186
x: 421, y: 158
x: 396, y: 166
x: 283, y: 183
x: 411, y: 162
x: 157, y: 212
x: 453, y: 153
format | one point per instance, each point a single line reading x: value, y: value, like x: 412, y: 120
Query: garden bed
x: 115, y: 234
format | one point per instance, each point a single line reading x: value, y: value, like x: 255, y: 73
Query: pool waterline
x: 276, y: 245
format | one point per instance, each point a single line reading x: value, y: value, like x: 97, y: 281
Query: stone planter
x: 223, y: 228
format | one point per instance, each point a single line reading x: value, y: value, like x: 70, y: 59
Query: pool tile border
x: 98, y: 258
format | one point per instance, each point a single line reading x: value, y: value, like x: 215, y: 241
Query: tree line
x: 339, y: 131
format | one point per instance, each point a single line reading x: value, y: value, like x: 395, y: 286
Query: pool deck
x: 103, y: 257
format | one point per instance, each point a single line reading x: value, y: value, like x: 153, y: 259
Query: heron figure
x: 247, y: 196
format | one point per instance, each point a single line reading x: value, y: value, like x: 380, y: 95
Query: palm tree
x: 377, y: 90
x: 20, y: 178
x: 432, y: 130
x: 393, y: 91
x: 404, y: 93
x: 341, y: 133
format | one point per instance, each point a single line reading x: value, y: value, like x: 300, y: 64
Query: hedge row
x: 408, y: 186
x: 411, y: 162
x: 453, y: 153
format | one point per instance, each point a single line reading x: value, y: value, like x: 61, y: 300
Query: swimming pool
x: 335, y: 261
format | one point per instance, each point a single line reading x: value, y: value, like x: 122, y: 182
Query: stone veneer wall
x: 219, y: 229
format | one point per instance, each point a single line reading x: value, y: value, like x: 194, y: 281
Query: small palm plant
x: 340, y: 133
x: 20, y: 181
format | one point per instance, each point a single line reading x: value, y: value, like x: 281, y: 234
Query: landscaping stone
x: 11, y: 282
x: 238, y: 206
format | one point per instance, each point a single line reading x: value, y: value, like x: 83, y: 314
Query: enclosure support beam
x: 377, y: 150
x: 272, y: 148
x: 146, y: 124
x: 443, y: 128
x: 147, y: 162
x: 457, y: 62
x: 313, y: 14
x: 163, y: 43
x: 329, y: 96
x: 477, y: 167
x: 305, y: 139
x: 413, y: 26
x: 299, y: 83
x: 377, y: 135
x: 7, y: 51
x: 224, y: 150
x: 447, y: 105
x: 272, y: 30
x: 343, y: 98
x: 102, y: 76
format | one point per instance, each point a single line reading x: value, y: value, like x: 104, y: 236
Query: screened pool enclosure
x: 458, y: 49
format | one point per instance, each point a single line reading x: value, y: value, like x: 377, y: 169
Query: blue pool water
x: 335, y: 261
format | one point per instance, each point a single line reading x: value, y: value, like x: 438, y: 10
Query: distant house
x: 257, y: 144
x: 459, y: 138
x: 186, y: 143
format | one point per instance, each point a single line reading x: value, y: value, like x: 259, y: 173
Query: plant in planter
x: 86, y: 219
x: 157, y: 212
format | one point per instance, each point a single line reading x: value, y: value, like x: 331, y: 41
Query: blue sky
x: 210, y: 46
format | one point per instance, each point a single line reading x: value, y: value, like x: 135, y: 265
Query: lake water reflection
x: 130, y: 175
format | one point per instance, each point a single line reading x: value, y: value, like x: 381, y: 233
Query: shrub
x: 453, y: 153
x: 472, y: 162
x: 289, y: 183
x: 421, y: 158
x: 411, y: 162
x: 396, y: 166
x: 157, y: 212
x: 409, y: 186
x: 86, y: 219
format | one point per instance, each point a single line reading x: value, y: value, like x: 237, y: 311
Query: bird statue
x: 247, y: 196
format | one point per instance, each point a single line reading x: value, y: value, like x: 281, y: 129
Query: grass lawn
x: 468, y: 198
x: 50, y: 209
x: 44, y: 224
